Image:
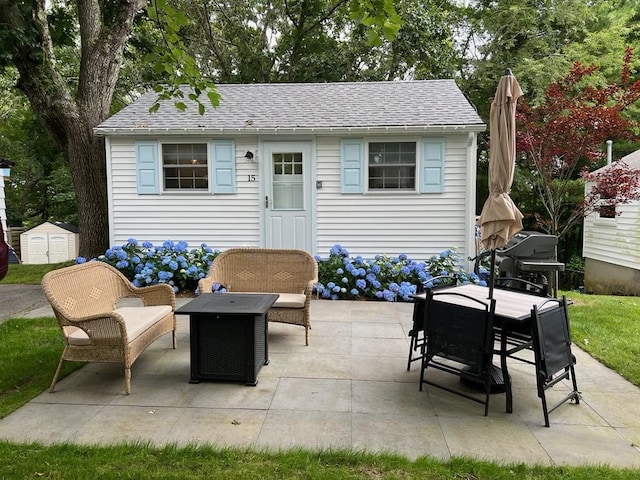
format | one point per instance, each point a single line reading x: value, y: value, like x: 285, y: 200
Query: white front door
x: 287, y: 200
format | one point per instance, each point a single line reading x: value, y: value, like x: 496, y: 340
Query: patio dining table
x: 512, y: 314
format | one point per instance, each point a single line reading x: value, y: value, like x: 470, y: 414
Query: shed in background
x: 49, y: 242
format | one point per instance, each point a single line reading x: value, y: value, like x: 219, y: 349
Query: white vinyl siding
x: 614, y: 240
x: 373, y: 223
x: 221, y: 221
x: 367, y: 224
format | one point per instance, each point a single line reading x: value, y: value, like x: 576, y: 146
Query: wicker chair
x: 84, y: 299
x: 290, y: 273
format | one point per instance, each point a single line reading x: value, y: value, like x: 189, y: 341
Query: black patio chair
x: 552, y: 349
x: 518, y: 337
x: 416, y: 334
x: 521, y: 285
x: 459, y: 331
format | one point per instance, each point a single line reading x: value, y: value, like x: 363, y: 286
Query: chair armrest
x: 107, y: 326
x: 205, y: 284
x: 160, y: 294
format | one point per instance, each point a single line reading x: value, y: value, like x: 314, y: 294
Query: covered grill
x: 531, y: 256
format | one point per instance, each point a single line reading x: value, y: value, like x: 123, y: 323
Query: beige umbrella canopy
x: 500, y: 218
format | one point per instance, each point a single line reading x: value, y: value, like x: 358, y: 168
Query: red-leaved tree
x: 562, y: 139
x: 616, y: 185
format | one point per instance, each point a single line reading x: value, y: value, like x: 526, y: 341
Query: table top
x: 509, y: 304
x: 230, y: 303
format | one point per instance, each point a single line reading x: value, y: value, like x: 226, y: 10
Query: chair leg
x: 127, y: 380
x: 411, y: 347
x: 55, y: 377
x: 175, y: 344
x: 576, y: 395
x: 544, y: 409
x: 487, y: 388
x: 306, y: 335
x: 423, y: 366
x: 543, y: 399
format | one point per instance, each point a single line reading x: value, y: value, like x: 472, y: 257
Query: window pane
x: 392, y: 166
x: 185, y: 166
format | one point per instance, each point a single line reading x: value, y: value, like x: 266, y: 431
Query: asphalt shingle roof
x: 285, y: 106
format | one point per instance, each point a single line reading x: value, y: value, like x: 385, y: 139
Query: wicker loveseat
x: 290, y: 273
x: 85, y: 302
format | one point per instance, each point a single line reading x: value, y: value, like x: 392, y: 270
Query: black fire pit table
x: 228, y: 335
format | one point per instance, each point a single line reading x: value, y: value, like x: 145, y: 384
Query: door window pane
x: 288, y: 191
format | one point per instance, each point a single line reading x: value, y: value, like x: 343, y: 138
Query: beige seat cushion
x: 290, y: 300
x: 137, y: 321
x: 285, y: 300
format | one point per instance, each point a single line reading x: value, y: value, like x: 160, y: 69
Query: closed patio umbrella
x: 500, y: 218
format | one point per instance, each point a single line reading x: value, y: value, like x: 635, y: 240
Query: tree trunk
x: 87, y: 159
x: 71, y: 116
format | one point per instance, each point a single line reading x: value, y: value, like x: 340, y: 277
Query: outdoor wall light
x: 249, y: 156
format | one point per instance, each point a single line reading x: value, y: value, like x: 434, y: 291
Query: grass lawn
x: 30, y: 274
x: 606, y: 327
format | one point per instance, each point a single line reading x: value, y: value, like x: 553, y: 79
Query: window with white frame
x: 392, y: 166
x: 185, y: 166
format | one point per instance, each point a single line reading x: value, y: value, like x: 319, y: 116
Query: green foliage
x: 379, y: 16
x: 175, y: 64
x: 40, y: 186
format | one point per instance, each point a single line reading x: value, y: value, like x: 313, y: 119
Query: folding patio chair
x: 459, y: 331
x: 518, y: 338
x: 552, y: 349
x: 416, y: 334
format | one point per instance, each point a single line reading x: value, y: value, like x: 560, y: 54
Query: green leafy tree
x: 33, y: 35
x: 39, y: 187
x: 317, y: 41
x: 562, y: 138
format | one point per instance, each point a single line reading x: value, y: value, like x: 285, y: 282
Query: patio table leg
x: 505, y: 370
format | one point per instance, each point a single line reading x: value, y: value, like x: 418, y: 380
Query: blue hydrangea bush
x: 171, y: 263
x: 342, y: 276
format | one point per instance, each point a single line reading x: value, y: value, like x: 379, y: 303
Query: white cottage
x: 380, y: 167
x: 611, y: 247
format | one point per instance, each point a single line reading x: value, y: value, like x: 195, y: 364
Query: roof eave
x: 146, y: 131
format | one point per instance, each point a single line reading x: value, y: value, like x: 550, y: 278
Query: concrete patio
x: 348, y: 389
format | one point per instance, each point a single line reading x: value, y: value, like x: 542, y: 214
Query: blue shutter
x: 147, y: 168
x: 352, y: 165
x: 432, y: 166
x: 223, y: 164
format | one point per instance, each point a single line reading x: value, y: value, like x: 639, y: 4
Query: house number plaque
x: 251, y: 178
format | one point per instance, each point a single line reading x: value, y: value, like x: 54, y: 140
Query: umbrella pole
x: 492, y: 272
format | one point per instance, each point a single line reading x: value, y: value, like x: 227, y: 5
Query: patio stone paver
x: 348, y: 389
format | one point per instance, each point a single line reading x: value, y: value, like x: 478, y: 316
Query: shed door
x: 58, y: 248
x: 287, y: 201
x: 38, y: 248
